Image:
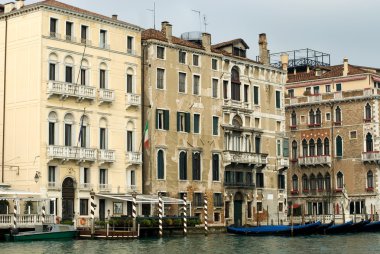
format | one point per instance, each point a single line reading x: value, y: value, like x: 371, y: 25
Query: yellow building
x: 72, y: 105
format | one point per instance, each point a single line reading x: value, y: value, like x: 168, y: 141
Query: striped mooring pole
x: 134, y: 214
x: 15, y: 215
x: 43, y: 215
x: 93, y: 206
x: 185, y: 214
x: 205, y: 213
x: 160, y: 214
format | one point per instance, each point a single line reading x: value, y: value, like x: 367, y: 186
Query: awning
x: 142, y: 199
x: 8, y: 192
x: 295, y: 206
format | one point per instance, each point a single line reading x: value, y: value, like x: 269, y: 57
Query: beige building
x: 72, y: 105
x: 216, y: 126
x: 333, y: 129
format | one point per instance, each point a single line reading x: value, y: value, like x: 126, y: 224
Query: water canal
x: 219, y: 243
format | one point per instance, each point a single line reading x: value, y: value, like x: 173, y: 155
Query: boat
x: 44, y: 232
x: 339, y: 229
x: 357, y: 227
x: 371, y: 227
x: 322, y: 228
x: 275, y: 230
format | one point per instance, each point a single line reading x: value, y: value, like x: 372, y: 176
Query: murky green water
x: 223, y: 243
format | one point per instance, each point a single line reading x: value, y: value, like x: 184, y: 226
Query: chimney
x: 19, y: 4
x: 308, y: 69
x: 263, y: 50
x: 206, y: 41
x: 345, y: 66
x: 166, y: 28
x: 114, y: 16
x: 8, y: 7
x: 284, y: 61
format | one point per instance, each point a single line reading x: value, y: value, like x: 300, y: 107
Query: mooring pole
x: 184, y: 214
x: 159, y: 215
x: 205, y: 213
x: 93, y: 205
x: 134, y: 214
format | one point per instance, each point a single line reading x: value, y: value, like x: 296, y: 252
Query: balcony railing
x: 85, y: 186
x: 283, y: 162
x: 237, y: 104
x: 132, y: 99
x: 237, y: 184
x: 104, y: 187
x: 134, y: 158
x: 338, y: 95
x: 53, y: 185
x: 106, y: 155
x: 314, y: 98
x: 25, y: 220
x: 71, y: 90
x: 244, y: 157
x: 371, y: 156
x: 314, y: 160
x: 85, y: 41
x: 55, y: 35
x: 106, y: 95
x: 71, y: 153
x: 70, y: 38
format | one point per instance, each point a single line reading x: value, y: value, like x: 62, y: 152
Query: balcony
x: 104, y: 187
x: 338, y: 95
x: 106, y: 156
x: 53, y: 186
x: 85, y: 41
x: 65, y: 90
x: 282, y: 163
x: 71, y: 153
x: 55, y: 35
x: 85, y: 187
x: 314, y: 98
x: 239, y: 105
x: 70, y: 38
x: 238, y: 184
x: 134, y: 158
x: 315, y: 160
x: 371, y: 156
x: 244, y: 157
x: 132, y: 100
x: 106, y: 95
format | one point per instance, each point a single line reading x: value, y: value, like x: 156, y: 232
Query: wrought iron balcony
x: 71, y: 153
x: 106, y: 95
x: 134, y: 158
x: 104, y: 187
x: 244, y: 157
x: 106, y: 156
x: 315, y: 160
x: 283, y: 163
x: 70, y: 90
x: 371, y: 156
x: 132, y: 99
x: 232, y: 104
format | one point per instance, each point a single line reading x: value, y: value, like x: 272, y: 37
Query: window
x: 294, y: 151
x: 83, y: 206
x: 102, y: 138
x: 196, y: 81
x: 278, y: 145
x: 52, y: 125
x: 198, y: 199
x: 129, y: 83
x: 369, y: 143
x: 195, y: 60
x: 53, y: 27
x: 214, y: 64
x: 227, y: 210
x: 218, y: 200
x: 225, y: 89
x: 281, y: 181
x: 102, y: 79
x: 196, y: 166
x: 246, y: 89
x: 130, y: 44
x: 256, y: 95
x: 339, y: 180
x: 182, y: 165
x: 68, y: 134
x: 316, y: 89
x: 182, y: 57
x: 162, y: 119
x: 183, y: 122
x: 215, y: 84
x: 353, y: 134
x: 328, y: 88
x: 295, y: 183
x: 338, y: 87
x: 319, y: 182
x: 52, y: 71
x: 259, y: 207
x: 215, y: 167
x: 285, y: 147
x: 369, y: 179
x: 291, y: 93
x: 278, y: 99
x: 235, y: 84
x: 326, y: 147
x: 69, y: 31
x: 215, y: 125
x: 51, y: 174
x: 130, y: 141
x: 328, y: 116
x: 311, y: 117
x: 182, y: 82
x: 259, y: 180
x: 305, y: 182
x: 69, y: 74
x: 293, y: 119
x: 133, y: 178
x: 368, y: 113
x: 328, y: 182
x: 103, y: 176
x: 196, y: 123
x: 216, y: 217
x: 84, y: 33
x: 160, y: 165
x: 304, y: 148
x: 318, y: 118
x: 307, y: 91
x: 160, y: 78
x: 338, y: 115
x: 339, y: 146
x: 311, y: 147
x: 319, y: 147
x: 257, y: 144
x: 83, y: 76
x: 238, y: 52
x: 83, y: 134
x: 84, y: 176
x: 103, y: 39
x: 160, y: 52
x: 249, y: 209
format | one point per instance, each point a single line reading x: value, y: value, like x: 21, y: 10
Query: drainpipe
x: 4, y: 97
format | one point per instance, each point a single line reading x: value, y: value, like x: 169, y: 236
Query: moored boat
x: 357, y: 227
x: 322, y: 228
x: 339, y: 229
x: 371, y: 227
x: 44, y: 232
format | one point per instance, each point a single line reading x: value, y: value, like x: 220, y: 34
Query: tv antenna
x: 199, y: 16
x: 154, y: 14
x: 205, y: 22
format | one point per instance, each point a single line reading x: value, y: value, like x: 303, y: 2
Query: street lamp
x: 37, y: 176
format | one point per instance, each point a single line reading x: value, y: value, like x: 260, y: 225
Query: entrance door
x: 68, y: 194
x: 102, y: 209
x: 238, y: 204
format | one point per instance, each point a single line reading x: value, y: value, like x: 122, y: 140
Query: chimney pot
x: 167, y: 29
x: 284, y: 61
x: 206, y: 41
x: 345, y: 66
x: 263, y: 50
x: 114, y: 16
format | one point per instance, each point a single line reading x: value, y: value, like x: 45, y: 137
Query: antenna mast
x: 154, y: 14
x: 205, y: 22
x: 200, y: 20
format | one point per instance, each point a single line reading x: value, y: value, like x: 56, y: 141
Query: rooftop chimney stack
x: 114, y: 16
x: 206, y: 41
x: 167, y: 29
x: 284, y: 61
x: 263, y: 49
x: 8, y: 7
x: 345, y: 66
x: 19, y: 4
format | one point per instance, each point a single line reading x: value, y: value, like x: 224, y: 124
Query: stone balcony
x: 105, y: 156
x: 132, y: 100
x: 106, y: 95
x: 65, y: 90
x: 71, y: 153
x: 237, y: 105
x: 53, y: 186
x: 371, y: 156
x: 314, y: 98
x: 134, y: 158
x: 244, y: 157
x: 282, y: 163
x: 315, y: 160
x: 104, y: 187
x: 85, y: 187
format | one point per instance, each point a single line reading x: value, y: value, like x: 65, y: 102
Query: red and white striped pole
x: 134, y: 213
x: 185, y: 214
x: 15, y: 215
x: 205, y: 213
x: 160, y: 214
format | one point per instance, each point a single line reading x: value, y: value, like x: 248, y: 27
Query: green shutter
x: 339, y: 147
x: 196, y: 123
x: 187, y: 122
x: 215, y: 125
x: 166, y: 119
x: 285, y: 147
x: 256, y: 95
x: 178, y: 121
x: 278, y: 99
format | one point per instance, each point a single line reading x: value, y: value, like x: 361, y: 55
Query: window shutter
x: 187, y: 122
x: 285, y: 147
x: 196, y: 123
x: 178, y: 121
x: 156, y: 118
x: 166, y: 119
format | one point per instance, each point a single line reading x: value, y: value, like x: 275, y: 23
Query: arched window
x: 305, y: 182
x: 304, y: 148
x: 339, y: 180
x: 215, y: 167
x: 326, y: 147
x: 294, y: 119
x: 319, y: 147
x: 103, y: 134
x: 320, y: 182
x: 294, y: 150
x: 369, y: 179
x: 328, y: 182
x: 182, y: 165
x: 83, y: 131
x: 196, y: 166
x: 52, y: 128
x: 84, y: 72
x: 69, y: 121
x: 160, y: 165
x: 235, y: 84
x: 53, y: 66
x: 130, y: 137
x: 313, y: 185
x: 295, y: 182
x: 69, y: 69
x: 318, y: 119
x: 369, y: 143
x: 311, y: 117
x: 338, y: 116
x: 103, y: 80
x: 368, y: 114
x: 130, y: 81
x: 311, y: 147
x: 339, y: 146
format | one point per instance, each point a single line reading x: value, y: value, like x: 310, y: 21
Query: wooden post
x: 302, y: 214
x: 344, y: 214
x: 371, y: 213
x: 278, y: 215
x: 257, y: 216
x: 291, y: 218
x: 334, y: 212
x: 267, y: 215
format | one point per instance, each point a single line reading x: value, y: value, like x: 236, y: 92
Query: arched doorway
x: 238, y: 209
x: 68, y: 194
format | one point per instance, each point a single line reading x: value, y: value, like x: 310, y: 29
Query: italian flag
x: 146, y: 136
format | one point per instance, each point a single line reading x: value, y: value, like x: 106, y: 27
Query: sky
x: 343, y: 28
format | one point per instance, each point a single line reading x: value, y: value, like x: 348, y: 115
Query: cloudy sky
x: 343, y: 28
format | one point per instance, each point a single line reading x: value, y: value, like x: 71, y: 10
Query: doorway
x: 102, y: 209
x: 68, y: 194
x: 238, y: 205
